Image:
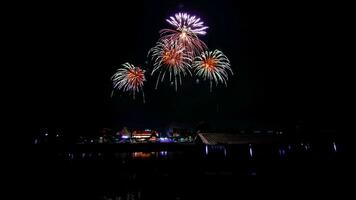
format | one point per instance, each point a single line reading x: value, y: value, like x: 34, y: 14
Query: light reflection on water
x: 150, y: 155
x: 208, y: 151
x: 238, y: 169
x: 143, y: 155
x: 334, y: 147
x: 250, y: 150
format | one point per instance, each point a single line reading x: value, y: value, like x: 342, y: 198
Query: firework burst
x: 187, y: 29
x: 188, y: 23
x: 169, y: 57
x: 129, y: 79
x: 214, y: 66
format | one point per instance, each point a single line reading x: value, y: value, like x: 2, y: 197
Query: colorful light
x: 214, y: 66
x: 164, y: 139
x: 129, y: 79
x: 250, y: 150
x: 169, y: 59
x: 187, y: 29
x: 187, y: 23
x: 335, y: 148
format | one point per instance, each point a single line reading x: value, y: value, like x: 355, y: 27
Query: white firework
x: 188, y: 23
x: 186, y: 31
x: 214, y: 66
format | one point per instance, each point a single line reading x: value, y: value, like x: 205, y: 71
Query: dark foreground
x: 196, y: 171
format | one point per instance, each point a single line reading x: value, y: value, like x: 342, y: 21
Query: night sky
x: 280, y: 53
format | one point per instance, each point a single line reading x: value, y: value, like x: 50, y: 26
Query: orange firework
x: 136, y: 77
x: 192, y: 44
x: 212, y: 65
x: 169, y: 57
x: 129, y: 78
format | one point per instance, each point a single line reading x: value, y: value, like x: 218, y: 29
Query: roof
x: 226, y: 138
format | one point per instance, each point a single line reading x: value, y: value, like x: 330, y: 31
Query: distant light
x: 164, y: 139
x: 307, y: 146
x: 251, y: 151
x: 125, y: 137
x: 57, y: 135
x: 256, y: 131
x: 225, y: 152
x: 46, y: 134
x: 91, y: 141
x: 335, y: 148
x: 206, y: 150
x: 282, y: 152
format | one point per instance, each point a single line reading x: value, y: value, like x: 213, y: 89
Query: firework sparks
x: 129, y: 79
x: 187, y: 29
x: 169, y: 57
x: 214, y: 66
x: 187, y: 23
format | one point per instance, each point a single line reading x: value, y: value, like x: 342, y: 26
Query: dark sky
x: 280, y: 53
